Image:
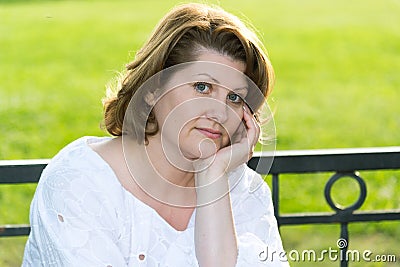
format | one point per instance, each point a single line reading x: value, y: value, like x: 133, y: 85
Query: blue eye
x: 235, y: 98
x: 202, y: 87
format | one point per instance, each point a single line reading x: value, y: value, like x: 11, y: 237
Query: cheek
x: 174, y: 113
x: 233, y: 126
x: 235, y: 121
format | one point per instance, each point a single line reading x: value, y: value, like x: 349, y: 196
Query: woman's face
x: 199, y: 117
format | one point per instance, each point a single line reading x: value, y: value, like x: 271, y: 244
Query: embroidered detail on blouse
x: 82, y: 216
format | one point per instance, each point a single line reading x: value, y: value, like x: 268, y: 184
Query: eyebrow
x: 244, y: 88
x: 209, y: 76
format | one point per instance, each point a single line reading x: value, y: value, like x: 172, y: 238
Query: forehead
x: 211, y: 56
x: 227, y: 76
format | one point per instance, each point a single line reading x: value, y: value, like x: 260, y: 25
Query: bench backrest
x: 343, y: 162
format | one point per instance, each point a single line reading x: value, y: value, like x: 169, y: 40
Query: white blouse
x: 82, y: 216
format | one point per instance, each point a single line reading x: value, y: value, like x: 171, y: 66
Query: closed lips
x: 210, y: 133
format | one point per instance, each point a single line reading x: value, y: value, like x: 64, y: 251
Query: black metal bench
x: 343, y: 162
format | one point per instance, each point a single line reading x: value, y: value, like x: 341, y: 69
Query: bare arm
x: 215, y: 235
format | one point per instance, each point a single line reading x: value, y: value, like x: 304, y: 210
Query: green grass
x: 336, y: 62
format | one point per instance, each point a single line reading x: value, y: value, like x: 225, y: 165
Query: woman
x: 171, y: 188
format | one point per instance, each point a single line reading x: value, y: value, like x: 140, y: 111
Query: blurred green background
x: 337, y: 66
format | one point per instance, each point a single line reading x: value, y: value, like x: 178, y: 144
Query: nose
x: 217, y: 107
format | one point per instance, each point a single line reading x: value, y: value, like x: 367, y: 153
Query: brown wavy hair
x: 179, y: 37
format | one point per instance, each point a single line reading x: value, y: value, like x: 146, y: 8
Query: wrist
x: 210, y: 188
x: 210, y: 177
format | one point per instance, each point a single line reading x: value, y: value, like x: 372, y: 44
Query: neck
x: 156, y: 176
x: 169, y: 164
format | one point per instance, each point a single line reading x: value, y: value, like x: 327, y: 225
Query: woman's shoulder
x: 77, y: 166
x: 78, y: 155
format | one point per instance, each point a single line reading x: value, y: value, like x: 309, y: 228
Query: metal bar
x: 21, y: 171
x: 343, y: 244
x: 275, y: 195
x: 14, y: 230
x: 337, y: 160
x: 287, y: 219
x: 322, y: 218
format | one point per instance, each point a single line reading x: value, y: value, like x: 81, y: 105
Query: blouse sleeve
x: 259, y: 241
x: 71, y: 223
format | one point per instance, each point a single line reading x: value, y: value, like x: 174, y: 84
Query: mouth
x: 210, y: 133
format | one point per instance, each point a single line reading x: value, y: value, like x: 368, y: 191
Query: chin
x: 203, y: 150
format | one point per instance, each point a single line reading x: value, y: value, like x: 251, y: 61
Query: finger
x: 253, y: 129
